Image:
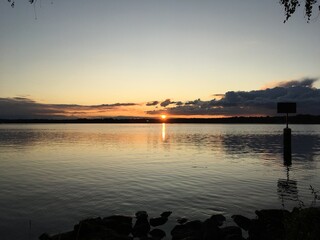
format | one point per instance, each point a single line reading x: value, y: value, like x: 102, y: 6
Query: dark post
x: 287, y: 145
x: 287, y: 107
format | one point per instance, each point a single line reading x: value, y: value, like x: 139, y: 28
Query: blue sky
x: 136, y: 51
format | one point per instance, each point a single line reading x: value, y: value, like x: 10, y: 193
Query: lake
x: 53, y: 175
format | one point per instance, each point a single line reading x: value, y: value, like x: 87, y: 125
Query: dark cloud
x: 153, y: 103
x: 232, y: 103
x: 110, y: 106
x: 166, y: 103
x: 25, y: 108
x: 256, y: 102
x: 306, y: 82
x: 23, y: 99
x: 218, y: 95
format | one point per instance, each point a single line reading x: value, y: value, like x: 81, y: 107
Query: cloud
x: 218, y: 95
x: 25, y: 108
x: 153, y: 103
x: 232, y: 103
x: 254, y: 103
x: 305, y: 82
x: 166, y: 103
x: 109, y: 106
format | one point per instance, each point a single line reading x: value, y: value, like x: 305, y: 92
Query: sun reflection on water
x: 163, y: 132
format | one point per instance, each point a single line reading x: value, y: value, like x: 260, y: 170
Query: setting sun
x: 163, y: 117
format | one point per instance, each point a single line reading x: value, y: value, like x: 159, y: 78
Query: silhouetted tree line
x: 290, y: 7
x: 298, y: 119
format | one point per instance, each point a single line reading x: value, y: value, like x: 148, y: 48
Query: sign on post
x: 287, y: 107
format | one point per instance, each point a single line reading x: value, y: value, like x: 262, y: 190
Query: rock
x: 64, y: 236
x: 271, y: 224
x: 88, y: 227
x: 218, y: 219
x: 181, y: 232
x: 166, y: 214
x: 210, y: 230
x: 158, y: 221
x: 157, y: 234
x: 141, y: 214
x: 257, y: 230
x: 273, y: 221
x: 141, y: 227
x: 195, y: 225
x: 192, y: 229
x: 182, y: 220
x: 120, y: 224
x: 269, y: 215
x: 119, y: 218
x: 231, y: 232
x: 142, y: 238
x: 242, y: 221
x: 94, y: 228
x: 303, y: 223
x: 45, y: 236
x: 234, y: 237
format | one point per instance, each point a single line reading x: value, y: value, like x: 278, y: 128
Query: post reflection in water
x: 163, y: 132
x: 287, y: 189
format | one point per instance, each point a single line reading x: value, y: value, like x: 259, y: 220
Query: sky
x: 183, y: 58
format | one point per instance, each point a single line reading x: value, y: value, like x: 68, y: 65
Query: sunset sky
x: 194, y: 58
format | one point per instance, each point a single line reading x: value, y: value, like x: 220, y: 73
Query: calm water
x: 51, y: 176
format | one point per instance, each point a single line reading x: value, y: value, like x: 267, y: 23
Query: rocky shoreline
x: 269, y: 224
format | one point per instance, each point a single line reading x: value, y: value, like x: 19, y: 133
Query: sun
x: 163, y: 117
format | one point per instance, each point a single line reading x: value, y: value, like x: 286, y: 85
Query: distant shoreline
x: 298, y: 119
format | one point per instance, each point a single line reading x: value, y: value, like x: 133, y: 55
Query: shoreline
x: 299, y: 119
x: 269, y: 224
